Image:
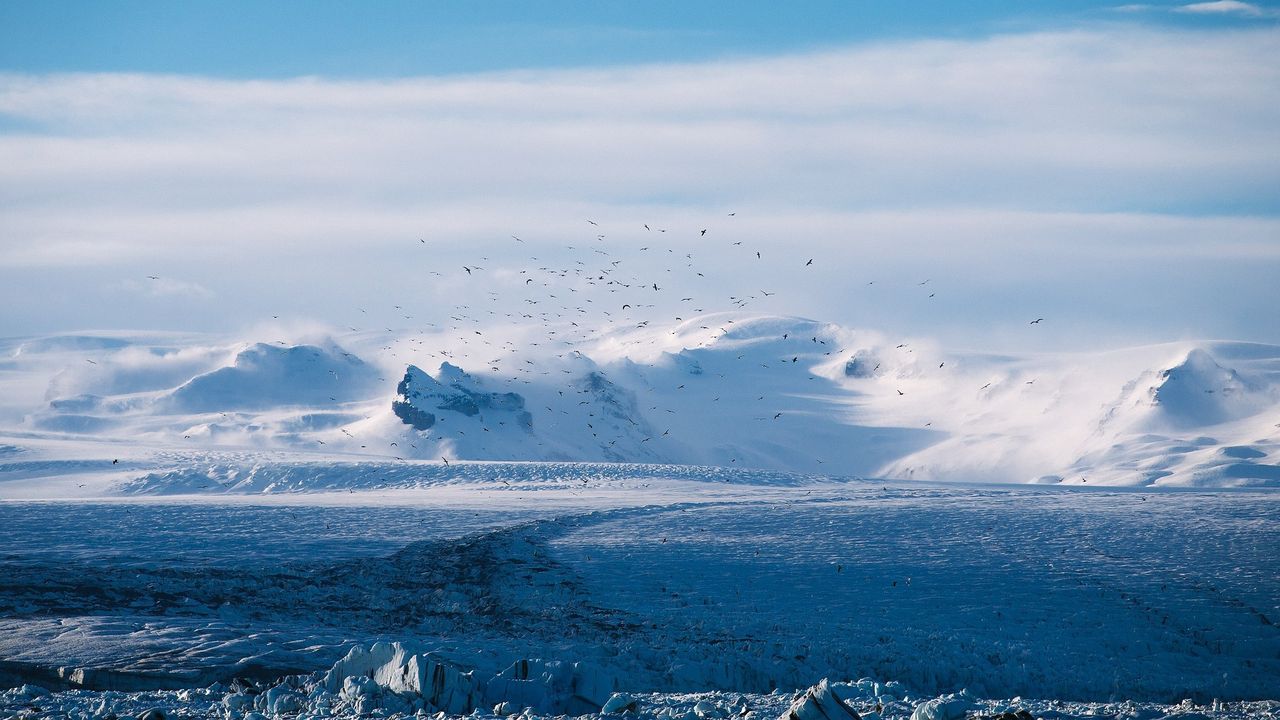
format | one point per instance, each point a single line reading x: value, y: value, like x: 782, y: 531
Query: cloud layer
x: 1123, y: 144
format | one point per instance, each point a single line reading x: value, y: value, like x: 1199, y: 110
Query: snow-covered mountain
x: 729, y: 389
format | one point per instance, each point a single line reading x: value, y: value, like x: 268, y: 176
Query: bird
x: 809, y: 263
x: 445, y: 459
x: 704, y: 231
x: 1036, y: 321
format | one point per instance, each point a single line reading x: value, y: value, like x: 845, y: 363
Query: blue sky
x: 396, y: 38
x: 1113, y: 168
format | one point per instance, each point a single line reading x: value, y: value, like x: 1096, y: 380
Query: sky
x: 209, y: 166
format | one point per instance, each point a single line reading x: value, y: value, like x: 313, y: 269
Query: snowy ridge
x: 727, y: 389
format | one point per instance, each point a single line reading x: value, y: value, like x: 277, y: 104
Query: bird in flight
x: 809, y: 263
x: 1036, y: 321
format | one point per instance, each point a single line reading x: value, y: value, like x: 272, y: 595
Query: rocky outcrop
x: 419, y: 397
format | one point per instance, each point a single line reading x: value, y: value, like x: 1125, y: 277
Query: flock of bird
x: 577, y: 294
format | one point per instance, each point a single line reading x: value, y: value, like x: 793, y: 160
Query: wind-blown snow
x: 730, y: 390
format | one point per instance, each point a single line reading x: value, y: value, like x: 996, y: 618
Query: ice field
x: 719, y: 582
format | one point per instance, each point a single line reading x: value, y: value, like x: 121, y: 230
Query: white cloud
x: 1227, y: 7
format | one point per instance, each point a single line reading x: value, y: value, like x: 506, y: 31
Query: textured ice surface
x: 743, y: 587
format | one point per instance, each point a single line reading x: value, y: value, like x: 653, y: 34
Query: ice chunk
x: 553, y: 686
x: 403, y: 670
x: 819, y: 703
x: 619, y: 703
x: 947, y: 707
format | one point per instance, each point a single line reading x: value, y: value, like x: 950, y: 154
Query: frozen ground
x: 734, y: 582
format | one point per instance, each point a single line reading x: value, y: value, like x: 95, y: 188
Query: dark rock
x: 420, y: 395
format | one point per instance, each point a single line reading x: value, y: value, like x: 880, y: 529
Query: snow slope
x: 727, y: 389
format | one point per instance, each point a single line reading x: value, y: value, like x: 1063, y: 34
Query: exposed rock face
x: 420, y: 396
